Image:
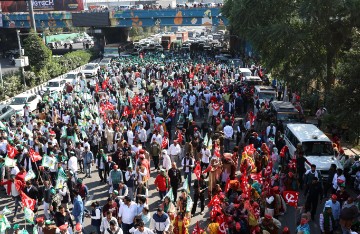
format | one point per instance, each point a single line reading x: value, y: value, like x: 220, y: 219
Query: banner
x: 42, y: 5
x: 291, y: 198
x: 30, y: 175
x: 48, y: 162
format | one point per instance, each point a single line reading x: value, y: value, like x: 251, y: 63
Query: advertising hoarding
x: 42, y: 5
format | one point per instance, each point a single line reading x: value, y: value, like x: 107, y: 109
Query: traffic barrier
x: 37, y: 89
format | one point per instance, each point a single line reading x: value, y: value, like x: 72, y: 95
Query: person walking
x: 115, y: 177
x: 127, y: 213
x: 327, y: 221
x: 314, y: 196
x: 188, y: 164
x: 199, y: 193
x: 96, y: 217
x: 155, y: 151
x: 160, y: 222
x: 78, y: 209
x: 101, y: 161
x: 162, y: 183
x: 88, y: 161
x: 175, y: 179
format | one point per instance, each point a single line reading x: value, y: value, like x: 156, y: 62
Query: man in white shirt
x: 142, y: 229
x: 73, y: 163
x: 160, y: 222
x: 174, y: 151
x: 270, y: 131
x: 105, y: 222
x: 127, y: 213
x: 3, y: 144
x: 142, y: 135
x: 130, y: 136
x: 228, y: 134
x: 205, y: 157
x: 66, y: 118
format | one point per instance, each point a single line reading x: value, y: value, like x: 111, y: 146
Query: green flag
x: 206, y: 140
x: 29, y: 215
x: 186, y: 186
x: 35, y: 230
x: 170, y: 195
x: 4, y: 224
x: 49, y: 162
x: 30, y: 175
x: 24, y: 231
x: 61, y: 179
x: 76, y: 139
x: 189, y: 204
x: 9, y: 162
x: 6, y: 211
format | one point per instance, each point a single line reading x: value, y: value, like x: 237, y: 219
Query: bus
x: 167, y: 40
x: 111, y: 51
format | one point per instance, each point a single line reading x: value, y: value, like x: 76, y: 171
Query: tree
x: 39, y: 55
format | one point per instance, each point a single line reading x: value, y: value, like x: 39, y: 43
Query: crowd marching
x: 157, y: 113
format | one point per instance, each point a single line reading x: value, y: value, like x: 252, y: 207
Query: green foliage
x: 39, y: 55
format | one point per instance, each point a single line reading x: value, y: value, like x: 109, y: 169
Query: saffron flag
x: 291, y: 198
x: 34, y: 156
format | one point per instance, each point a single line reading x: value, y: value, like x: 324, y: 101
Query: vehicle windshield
x: 18, y: 101
x: 288, y: 117
x: 89, y: 68
x: 5, y: 109
x: 111, y: 50
x: 70, y: 76
x: 53, y: 84
x: 267, y: 96
x: 318, y: 148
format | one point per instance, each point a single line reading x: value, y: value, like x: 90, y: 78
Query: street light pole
x: 21, y: 54
x: 32, y: 17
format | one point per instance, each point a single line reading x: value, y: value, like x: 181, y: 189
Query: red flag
x: 252, y: 117
x: 34, y: 156
x: 172, y: 113
x: 109, y: 106
x: 227, y: 185
x: 222, y: 224
x: 179, y: 137
x: 11, y: 151
x: 97, y: 88
x: 126, y: 111
x: 27, y: 201
x: 291, y: 198
x: 197, y: 170
x: 283, y: 151
x: 146, y: 99
x: 256, y: 177
x: 104, y: 84
x: 268, y: 168
x: 249, y: 149
x: 136, y: 101
x: 164, y: 143
x: 216, y: 106
x: 214, y: 201
x: 197, y: 229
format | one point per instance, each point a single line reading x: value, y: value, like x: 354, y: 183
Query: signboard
x: 42, y: 5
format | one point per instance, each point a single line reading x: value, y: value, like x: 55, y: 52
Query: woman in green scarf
x: 327, y: 221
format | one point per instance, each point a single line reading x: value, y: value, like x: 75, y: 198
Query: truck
x: 167, y: 40
x: 111, y: 51
x: 183, y: 36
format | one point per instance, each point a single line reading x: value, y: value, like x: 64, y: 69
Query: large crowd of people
x: 183, y: 119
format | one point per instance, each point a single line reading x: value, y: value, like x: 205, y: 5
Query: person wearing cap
x: 162, y: 183
x: 326, y: 220
x: 127, y: 213
x: 39, y: 224
x: 314, y: 196
x: 335, y: 208
x: 160, y: 221
x: 338, y: 180
x: 270, y: 224
x: 72, y: 164
x: 304, y: 226
x: 50, y: 227
x: 88, y: 160
x: 166, y: 160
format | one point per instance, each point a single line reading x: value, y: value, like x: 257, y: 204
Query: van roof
x: 263, y: 88
x: 252, y: 78
x: 307, y: 132
x: 245, y: 70
x: 283, y: 106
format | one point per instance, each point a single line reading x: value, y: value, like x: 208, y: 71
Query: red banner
x: 291, y: 198
x: 27, y: 201
x: 34, y: 156
x: 11, y: 151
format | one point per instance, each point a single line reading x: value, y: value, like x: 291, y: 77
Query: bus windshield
x: 317, y: 148
x: 288, y: 117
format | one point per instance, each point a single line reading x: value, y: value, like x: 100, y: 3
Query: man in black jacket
x: 199, y: 192
x: 175, y: 179
x: 32, y: 192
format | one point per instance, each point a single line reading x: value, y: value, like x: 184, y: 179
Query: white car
x: 105, y: 62
x: 55, y: 85
x: 72, y: 77
x: 18, y: 102
x: 90, y: 70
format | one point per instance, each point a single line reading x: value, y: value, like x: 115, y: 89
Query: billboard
x: 42, y: 5
x: 93, y: 19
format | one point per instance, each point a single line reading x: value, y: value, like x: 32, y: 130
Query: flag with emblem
x: 9, y: 162
x: 27, y: 201
x: 215, y: 200
x: 61, y: 179
x: 30, y: 175
x: 165, y: 143
x: 197, y: 229
x: 11, y: 151
x: 170, y: 195
x: 29, y: 215
x: 291, y: 198
x: 49, y: 162
x: 206, y: 139
x: 34, y: 156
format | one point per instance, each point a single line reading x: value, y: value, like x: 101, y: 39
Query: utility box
x: 22, y: 62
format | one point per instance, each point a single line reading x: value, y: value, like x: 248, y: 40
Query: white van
x: 264, y: 94
x: 316, y: 146
x: 252, y: 80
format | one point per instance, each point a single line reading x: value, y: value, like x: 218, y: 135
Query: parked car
x: 90, y: 70
x: 18, y: 102
x: 7, y: 113
x: 105, y: 62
